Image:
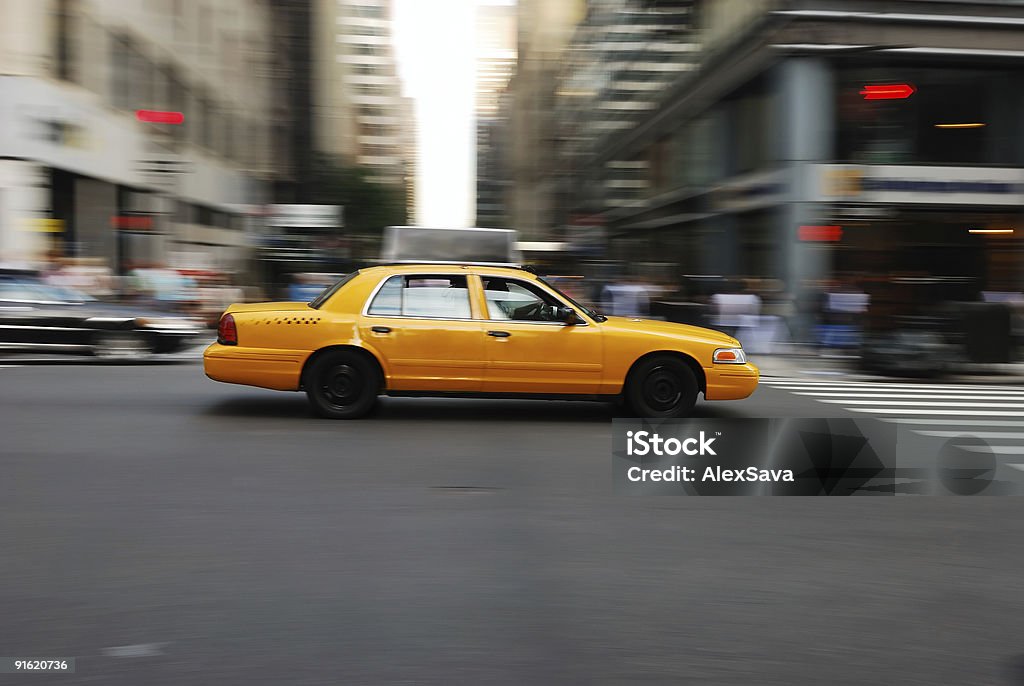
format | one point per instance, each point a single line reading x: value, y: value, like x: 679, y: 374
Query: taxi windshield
x: 589, y: 311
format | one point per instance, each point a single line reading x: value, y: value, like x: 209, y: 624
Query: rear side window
x: 433, y: 296
x: 331, y: 290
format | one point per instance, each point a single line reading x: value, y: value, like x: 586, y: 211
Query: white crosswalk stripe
x: 944, y: 411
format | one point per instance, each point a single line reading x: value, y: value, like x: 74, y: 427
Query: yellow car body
x: 432, y: 329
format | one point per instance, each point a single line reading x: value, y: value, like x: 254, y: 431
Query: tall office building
x: 622, y: 57
x: 495, y: 62
x: 359, y: 112
x: 410, y: 152
x: 543, y: 31
x: 293, y: 98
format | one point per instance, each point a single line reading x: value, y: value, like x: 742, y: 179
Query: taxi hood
x: 268, y: 307
x: 670, y: 329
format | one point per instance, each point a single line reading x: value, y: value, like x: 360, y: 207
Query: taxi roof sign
x: 413, y: 244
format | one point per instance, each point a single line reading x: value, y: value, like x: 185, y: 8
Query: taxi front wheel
x: 662, y: 386
x: 342, y: 385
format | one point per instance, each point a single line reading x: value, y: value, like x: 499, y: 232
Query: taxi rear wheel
x: 662, y: 386
x: 342, y: 385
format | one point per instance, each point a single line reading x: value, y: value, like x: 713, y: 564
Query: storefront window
x: 951, y: 116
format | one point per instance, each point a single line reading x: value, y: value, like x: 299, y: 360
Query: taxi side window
x: 517, y: 301
x: 440, y: 296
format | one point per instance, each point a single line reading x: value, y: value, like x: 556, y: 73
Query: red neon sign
x: 159, y: 117
x: 822, y: 234
x: 888, y: 91
x: 132, y: 223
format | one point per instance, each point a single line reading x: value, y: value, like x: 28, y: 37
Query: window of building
x: 206, y: 135
x: 67, y: 40
x: 121, y: 68
x: 194, y: 119
x: 205, y: 30
x: 375, y: 130
x: 377, y: 150
x: 176, y: 101
x: 371, y: 11
x: 953, y: 116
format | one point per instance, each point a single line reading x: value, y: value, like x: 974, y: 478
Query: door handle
x: 381, y: 329
x: 499, y: 334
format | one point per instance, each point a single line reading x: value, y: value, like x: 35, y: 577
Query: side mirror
x: 566, y: 315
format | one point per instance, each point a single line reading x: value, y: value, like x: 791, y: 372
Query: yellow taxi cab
x: 469, y: 330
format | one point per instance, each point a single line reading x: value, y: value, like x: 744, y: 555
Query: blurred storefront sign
x: 317, y: 217
x: 131, y: 223
x: 47, y: 225
x: 897, y: 184
x: 750, y: 192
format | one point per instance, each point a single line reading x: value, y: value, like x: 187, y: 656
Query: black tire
x: 342, y: 385
x: 661, y: 386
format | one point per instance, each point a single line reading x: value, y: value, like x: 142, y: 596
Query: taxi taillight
x: 227, y: 334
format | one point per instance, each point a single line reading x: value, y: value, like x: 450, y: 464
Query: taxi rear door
x: 423, y: 328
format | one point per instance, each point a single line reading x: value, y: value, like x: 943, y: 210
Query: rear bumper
x: 731, y: 381
x: 279, y: 370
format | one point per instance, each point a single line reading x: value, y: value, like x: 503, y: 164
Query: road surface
x: 166, y: 529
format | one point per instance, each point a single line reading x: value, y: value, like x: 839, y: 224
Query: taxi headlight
x: 729, y: 356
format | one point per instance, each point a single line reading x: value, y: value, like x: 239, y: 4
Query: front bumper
x: 731, y: 381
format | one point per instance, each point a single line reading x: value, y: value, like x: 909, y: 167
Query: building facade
x: 495, y: 62
x: 544, y: 30
x: 621, y: 57
x: 81, y: 176
x: 360, y: 114
x: 823, y: 139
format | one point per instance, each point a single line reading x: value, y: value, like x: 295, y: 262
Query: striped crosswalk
x: 992, y: 412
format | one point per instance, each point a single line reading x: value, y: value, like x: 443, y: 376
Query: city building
x: 411, y: 155
x: 82, y: 176
x: 825, y: 138
x: 495, y: 62
x: 360, y: 116
x: 292, y: 54
x: 621, y: 57
x: 543, y: 32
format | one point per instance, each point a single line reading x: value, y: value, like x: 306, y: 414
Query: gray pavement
x: 166, y: 529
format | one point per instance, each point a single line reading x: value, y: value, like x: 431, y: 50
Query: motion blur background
x: 840, y: 183
x: 806, y: 172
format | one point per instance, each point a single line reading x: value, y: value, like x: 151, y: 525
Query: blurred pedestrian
x: 629, y: 297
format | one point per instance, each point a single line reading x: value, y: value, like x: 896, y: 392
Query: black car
x: 38, y: 317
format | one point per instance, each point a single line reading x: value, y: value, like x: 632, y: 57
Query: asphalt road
x: 165, y: 529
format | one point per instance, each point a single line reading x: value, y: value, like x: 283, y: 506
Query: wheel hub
x: 662, y: 388
x: 342, y: 385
